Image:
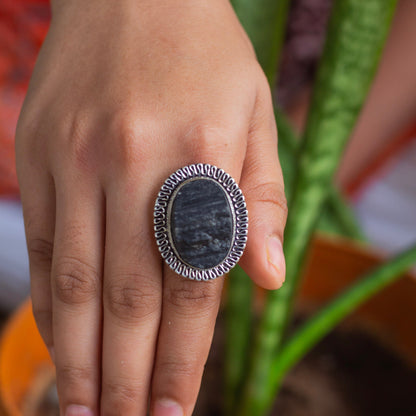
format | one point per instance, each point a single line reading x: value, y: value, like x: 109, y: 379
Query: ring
x: 200, y: 222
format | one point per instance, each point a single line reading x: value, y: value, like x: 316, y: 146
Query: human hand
x: 123, y: 94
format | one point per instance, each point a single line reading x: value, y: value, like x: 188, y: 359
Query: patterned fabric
x: 23, y: 26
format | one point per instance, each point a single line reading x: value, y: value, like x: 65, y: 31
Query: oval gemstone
x: 201, y: 224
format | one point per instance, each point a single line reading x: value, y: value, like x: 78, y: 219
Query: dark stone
x: 202, y: 223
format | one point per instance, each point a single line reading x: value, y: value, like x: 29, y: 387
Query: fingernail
x: 276, y: 257
x: 75, y: 410
x: 166, y: 407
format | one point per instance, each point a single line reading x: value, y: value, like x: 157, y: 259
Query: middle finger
x: 132, y: 302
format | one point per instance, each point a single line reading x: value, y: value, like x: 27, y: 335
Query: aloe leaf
x: 331, y: 315
x: 356, y: 34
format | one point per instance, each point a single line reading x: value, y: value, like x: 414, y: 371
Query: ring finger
x: 188, y: 320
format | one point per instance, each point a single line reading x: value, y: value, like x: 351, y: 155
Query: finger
x: 263, y: 187
x: 76, y: 290
x: 132, y: 300
x: 188, y: 319
x: 189, y: 312
x: 38, y: 201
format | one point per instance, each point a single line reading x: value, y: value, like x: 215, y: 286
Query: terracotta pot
x: 26, y: 370
x: 334, y: 264
x: 25, y: 367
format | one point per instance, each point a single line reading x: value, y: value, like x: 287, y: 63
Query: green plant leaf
x: 238, y: 327
x: 356, y: 34
x: 324, y: 321
x: 336, y: 218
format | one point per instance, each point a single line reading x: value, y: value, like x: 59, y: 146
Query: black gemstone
x: 202, y: 223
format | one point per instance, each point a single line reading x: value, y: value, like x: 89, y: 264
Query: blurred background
x: 378, y: 172
x: 23, y: 26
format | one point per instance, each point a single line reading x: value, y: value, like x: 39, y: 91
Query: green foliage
x: 355, y: 37
x: 238, y: 316
x: 336, y: 217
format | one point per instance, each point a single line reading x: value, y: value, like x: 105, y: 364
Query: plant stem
x: 356, y: 34
x: 288, y: 149
x: 238, y: 323
x: 340, y: 218
x: 323, y: 322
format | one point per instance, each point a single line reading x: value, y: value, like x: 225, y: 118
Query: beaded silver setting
x: 162, y: 220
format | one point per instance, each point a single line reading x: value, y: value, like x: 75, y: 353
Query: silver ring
x: 200, y: 222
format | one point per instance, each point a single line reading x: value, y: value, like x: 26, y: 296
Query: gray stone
x: 202, y: 223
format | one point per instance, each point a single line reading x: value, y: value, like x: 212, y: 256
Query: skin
x: 123, y: 94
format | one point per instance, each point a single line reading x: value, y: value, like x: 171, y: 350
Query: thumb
x: 263, y: 187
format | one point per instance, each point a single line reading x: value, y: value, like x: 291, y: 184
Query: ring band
x: 200, y: 222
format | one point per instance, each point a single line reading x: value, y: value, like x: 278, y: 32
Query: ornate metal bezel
x: 162, y: 220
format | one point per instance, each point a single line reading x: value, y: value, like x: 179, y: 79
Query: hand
x: 123, y: 94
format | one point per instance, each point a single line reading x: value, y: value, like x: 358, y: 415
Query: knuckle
x: 40, y: 251
x: 193, y: 297
x: 75, y: 281
x: 130, y: 299
x: 203, y: 142
x: 270, y: 193
x: 174, y: 368
x: 124, y: 143
x: 71, y: 376
x: 81, y: 144
x: 121, y: 395
x: 263, y: 85
x: 264, y: 101
x: 130, y: 142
